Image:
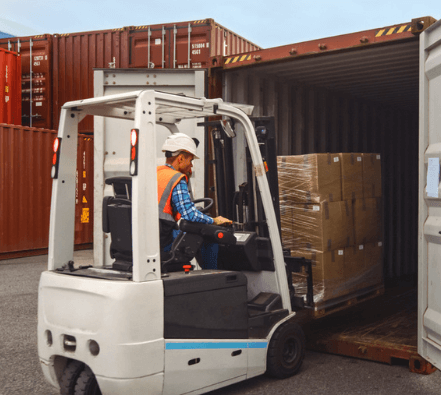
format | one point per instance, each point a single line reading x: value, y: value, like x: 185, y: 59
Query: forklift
x: 136, y: 320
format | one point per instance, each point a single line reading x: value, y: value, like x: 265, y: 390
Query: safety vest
x: 168, y: 178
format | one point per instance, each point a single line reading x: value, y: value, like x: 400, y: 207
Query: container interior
x: 361, y: 99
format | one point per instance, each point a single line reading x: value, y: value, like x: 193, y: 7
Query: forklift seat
x: 117, y: 220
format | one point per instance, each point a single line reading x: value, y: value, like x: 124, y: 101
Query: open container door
x: 429, y: 281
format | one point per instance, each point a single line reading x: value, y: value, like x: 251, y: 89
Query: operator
x: 173, y: 195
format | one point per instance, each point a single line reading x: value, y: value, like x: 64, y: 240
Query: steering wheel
x: 208, y: 201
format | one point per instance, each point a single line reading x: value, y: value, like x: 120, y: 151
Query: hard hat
x: 180, y: 142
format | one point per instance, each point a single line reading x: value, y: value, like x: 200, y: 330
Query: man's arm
x: 182, y: 203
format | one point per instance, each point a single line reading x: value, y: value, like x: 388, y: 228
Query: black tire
x: 87, y: 384
x: 286, y: 351
x: 70, y: 376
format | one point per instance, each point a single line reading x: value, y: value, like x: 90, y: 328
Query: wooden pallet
x: 332, y: 306
x: 383, y: 329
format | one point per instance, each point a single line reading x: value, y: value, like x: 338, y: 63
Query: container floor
x: 382, y: 329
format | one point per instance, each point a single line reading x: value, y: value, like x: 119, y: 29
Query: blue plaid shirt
x: 181, y: 202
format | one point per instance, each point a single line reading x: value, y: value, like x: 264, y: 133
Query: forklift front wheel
x: 286, y: 351
x: 87, y: 384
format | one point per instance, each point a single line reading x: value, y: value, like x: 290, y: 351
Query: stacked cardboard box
x: 331, y: 214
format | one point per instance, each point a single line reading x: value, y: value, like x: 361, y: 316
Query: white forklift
x: 138, y: 321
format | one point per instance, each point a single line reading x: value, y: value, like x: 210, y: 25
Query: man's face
x: 186, y: 163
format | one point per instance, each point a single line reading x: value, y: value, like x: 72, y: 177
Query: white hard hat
x: 180, y: 142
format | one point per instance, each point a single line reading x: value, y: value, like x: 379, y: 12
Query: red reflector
x: 56, y: 145
x: 132, y: 157
x: 220, y: 235
x: 54, y: 159
x: 133, y: 137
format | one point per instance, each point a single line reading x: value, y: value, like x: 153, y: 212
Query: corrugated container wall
x: 75, y: 55
x: 36, y: 74
x: 184, y: 44
x: 25, y: 196
x: 10, y: 87
x: 316, y: 120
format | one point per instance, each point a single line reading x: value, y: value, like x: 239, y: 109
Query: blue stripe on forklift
x: 213, y: 346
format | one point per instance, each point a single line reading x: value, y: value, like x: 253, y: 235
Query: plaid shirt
x: 181, y: 202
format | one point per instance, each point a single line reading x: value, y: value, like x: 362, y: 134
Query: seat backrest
x: 117, y: 218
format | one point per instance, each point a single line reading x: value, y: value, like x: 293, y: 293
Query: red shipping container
x: 10, y: 87
x: 75, y: 55
x: 25, y: 196
x: 184, y: 44
x: 36, y: 78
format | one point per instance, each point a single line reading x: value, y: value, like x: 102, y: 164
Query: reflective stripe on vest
x: 164, y: 204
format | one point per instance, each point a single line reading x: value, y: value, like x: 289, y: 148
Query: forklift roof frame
x: 146, y: 108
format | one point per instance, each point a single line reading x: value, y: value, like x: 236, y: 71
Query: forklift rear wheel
x: 286, y: 351
x: 87, y: 384
x: 70, y: 376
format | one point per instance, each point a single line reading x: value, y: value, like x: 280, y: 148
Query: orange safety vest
x: 168, y: 178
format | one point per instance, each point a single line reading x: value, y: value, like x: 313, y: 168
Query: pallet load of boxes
x: 331, y: 213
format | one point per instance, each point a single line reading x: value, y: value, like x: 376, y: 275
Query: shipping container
x: 74, y: 57
x: 352, y: 93
x: 10, y: 87
x: 193, y: 44
x: 25, y: 196
x: 36, y: 78
x: 59, y: 68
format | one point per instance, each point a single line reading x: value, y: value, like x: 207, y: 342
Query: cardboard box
x: 373, y: 264
x: 327, y: 274
x: 354, y: 267
x: 310, y: 178
x: 322, y: 226
x: 351, y: 176
x: 367, y: 220
x: 371, y: 175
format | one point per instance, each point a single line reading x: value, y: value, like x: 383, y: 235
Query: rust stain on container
x: 25, y: 196
x: 10, y: 87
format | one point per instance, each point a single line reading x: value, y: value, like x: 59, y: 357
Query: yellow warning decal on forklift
x: 84, y: 199
x: 85, y: 216
x: 393, y: 30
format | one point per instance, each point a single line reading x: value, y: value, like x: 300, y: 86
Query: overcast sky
x: 266, y: 23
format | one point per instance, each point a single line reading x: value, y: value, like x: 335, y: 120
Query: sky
x: 267, y: 24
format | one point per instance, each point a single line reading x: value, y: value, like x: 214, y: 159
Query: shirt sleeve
x: 181, y: 202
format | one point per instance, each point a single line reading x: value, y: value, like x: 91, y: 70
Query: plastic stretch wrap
x: 317, y: 227
x: 309, y: 178
x: 325, y: 217
x: 342, y: 272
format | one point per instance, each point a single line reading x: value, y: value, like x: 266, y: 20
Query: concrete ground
x: 20, y: 373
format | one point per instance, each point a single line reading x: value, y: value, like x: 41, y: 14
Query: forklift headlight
x: 94, y: 348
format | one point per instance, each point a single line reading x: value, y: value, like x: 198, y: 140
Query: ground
x: 20, y: 373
